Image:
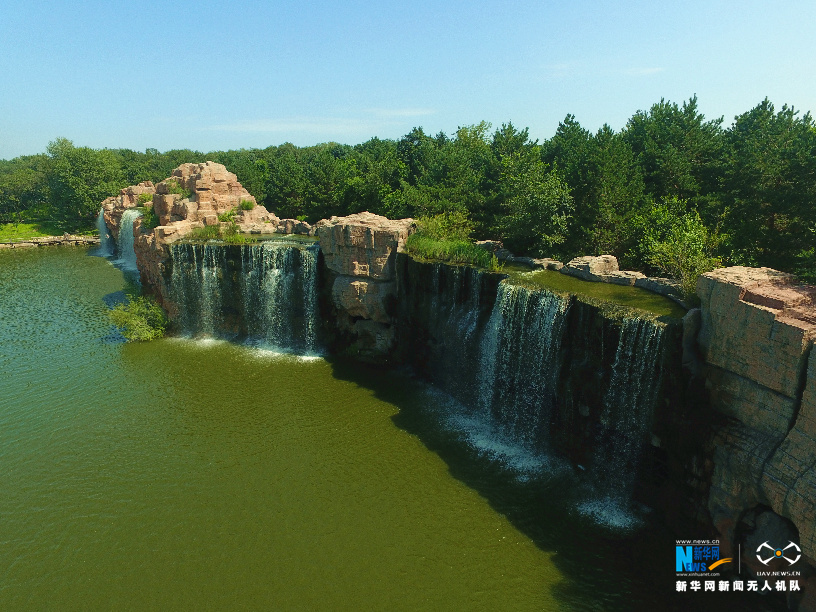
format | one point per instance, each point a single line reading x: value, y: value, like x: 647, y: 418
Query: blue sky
x: 218, y: 75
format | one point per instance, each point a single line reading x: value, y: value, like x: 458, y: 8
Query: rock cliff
x: 757, y: 335
x: 114, y: 206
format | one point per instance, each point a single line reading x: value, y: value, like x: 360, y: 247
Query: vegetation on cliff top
x: 750, y: 186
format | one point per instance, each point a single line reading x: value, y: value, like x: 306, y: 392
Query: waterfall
x: 520, y: 361
x: 266, y: 292
x: 127, y: 256
x: 279, y: 295
x: 106, y: 244
x: 626, y: 418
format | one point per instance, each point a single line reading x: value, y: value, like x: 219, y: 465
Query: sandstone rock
x: 622, y: 277
x: 555, y: 265
x: 363, y: 244
x: 748, y: 339
x: 365, y: 298
x: 757, y: 336
x: 591, y: 268
x: 662, y: 286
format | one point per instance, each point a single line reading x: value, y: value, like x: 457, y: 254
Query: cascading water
x: 106, y: 244
x: 520, y: 361
x: 626, y: 417
x: 124, y: 242
x: 266, y: 292
x: 279, y: 292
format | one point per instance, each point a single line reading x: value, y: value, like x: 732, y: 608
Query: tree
x: 537, y: 206
x: 80, y: 179
x: 770, y: 187
x: 683, y: 251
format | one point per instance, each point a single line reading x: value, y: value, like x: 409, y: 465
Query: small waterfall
x: 106, y: 244
x: 279, y: 295
x: 520, y: 361
x: 127, y: 256
x: 626, y: 418
x: 266, y: 291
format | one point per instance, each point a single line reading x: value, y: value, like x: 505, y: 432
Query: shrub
x: 227, y: 216
x: 684, y: 252
x: 233, y: 235
x: 452, y: 225
x: 144, y: 198
x: 246, y: 205
x: 140, y: 319
x: 150, y: 219
x: 174, y: 187
x: 208, y: 232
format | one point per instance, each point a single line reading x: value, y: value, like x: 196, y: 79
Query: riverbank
x: 65, y: 239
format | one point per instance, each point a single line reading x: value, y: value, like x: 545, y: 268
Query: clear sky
x: 220, y: 75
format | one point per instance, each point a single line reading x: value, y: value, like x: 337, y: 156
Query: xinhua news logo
x: 698, y: 557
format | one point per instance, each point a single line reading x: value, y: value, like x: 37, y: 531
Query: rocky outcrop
x: 757, y: 335
x: 114, y: 206
x: 360, y: 250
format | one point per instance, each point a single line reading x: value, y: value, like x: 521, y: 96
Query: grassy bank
x: 452, y: 251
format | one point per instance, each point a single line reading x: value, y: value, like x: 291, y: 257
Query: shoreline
x: 65, y: 239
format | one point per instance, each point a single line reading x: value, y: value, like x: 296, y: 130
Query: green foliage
x: 79, y: 179
x: 681, y: 247
x: 140, y: 319
x: 537, y: 207
x: 454, y: 225
x: 246, y: 205
x: 233, y: 235
x: 150, y: 219
x: 174, y: 187
x: 453, y: 251
x: 144, y: 198
x: 208, y: 232
x: 227, y: 216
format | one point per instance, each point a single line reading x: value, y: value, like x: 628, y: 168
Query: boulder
x: 363, y: 244
x: 622, y: 277
x: 591, y: 268
x: 662, y: 286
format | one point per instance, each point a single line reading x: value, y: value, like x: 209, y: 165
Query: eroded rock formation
x: 757, y: 337
x: 361, y: 251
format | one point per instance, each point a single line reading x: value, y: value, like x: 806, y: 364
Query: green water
x: 182, y: 475
x: 632, y: 297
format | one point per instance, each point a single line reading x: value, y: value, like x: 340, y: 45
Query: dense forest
x: 671, y: 186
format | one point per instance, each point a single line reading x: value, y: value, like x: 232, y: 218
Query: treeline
x: 671, y: 184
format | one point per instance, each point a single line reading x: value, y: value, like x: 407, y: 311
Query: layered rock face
x: 757, y: 336
x: 360, y: 250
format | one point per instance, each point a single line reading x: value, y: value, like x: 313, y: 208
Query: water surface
x: 194, y: 475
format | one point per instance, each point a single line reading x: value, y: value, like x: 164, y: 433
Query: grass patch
x: 144, y: 198
x: 141, y: 319
x: 228, y: 216
x: 452, y: 251
x: 246, y: 205
x: 20, y: 232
